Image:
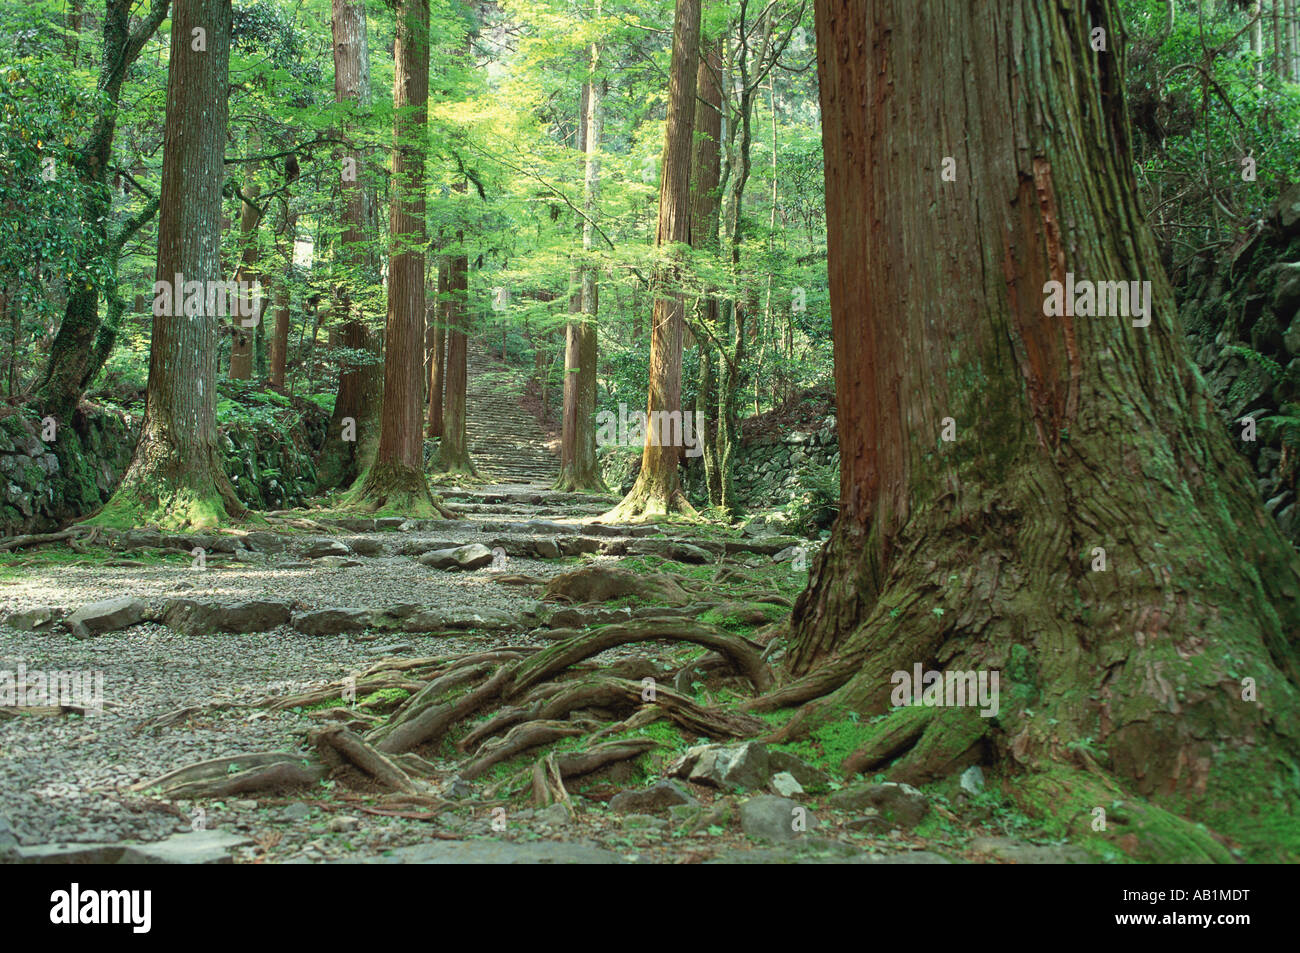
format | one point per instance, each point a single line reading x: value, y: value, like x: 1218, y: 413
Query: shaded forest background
x: 1214, y: 104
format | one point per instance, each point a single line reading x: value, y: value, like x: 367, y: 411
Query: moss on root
x: 1097, y: 815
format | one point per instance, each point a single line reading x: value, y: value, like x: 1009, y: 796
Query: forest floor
x: 323, y: 597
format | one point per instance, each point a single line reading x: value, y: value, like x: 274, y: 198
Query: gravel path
x: 65, y: 778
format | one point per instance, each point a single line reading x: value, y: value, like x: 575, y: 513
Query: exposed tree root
x: 745, y: 654
x: 594, y: 584
x: 429, y: 723
x: 240, y: 774
x: 530, y: 734
x: 549, y: 773
x: 336, y: 744
x: 72, y: 536
x: 391, y: 487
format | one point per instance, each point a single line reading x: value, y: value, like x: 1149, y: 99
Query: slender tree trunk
x: 578, y: 467
x: 453, y: 450
x: 438, y: 359
x: 1257, y: 38
x: 176, y: 476
x: 396, y: 480
x: 657, y: 490
x: 74, y: 357
x: 1294, y: 39
x: 1074, y: 440
x: 353, y: 434
x: 241, y: 340
x: 706, y: 170
x: 283, y: 303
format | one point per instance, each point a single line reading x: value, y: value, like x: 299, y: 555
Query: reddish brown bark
x: 657, y: 490
x: 978, y: 554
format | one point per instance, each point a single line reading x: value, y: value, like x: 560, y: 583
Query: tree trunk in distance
x: 453, y: 450
x: 282, y: 295
x: 437, y: 365
x: 353, y: 434
x: 706, y: 171
x: 657, y: 491
x: 241, y: 341
x: 579, y: 470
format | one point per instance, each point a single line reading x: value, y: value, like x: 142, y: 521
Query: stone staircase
x: 506, y: 442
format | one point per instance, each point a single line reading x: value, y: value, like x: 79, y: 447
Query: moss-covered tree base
x: 573, y: 481
x: 171, y: 490
x: 649, y: 501
x: 390, y: 488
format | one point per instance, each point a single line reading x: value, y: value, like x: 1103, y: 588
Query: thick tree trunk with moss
x: 353, y: 434
x: 396, y: 480
x: 176, y: 476
x: 1136, y: 676
x: 578, y: 468
x: 657, y: 491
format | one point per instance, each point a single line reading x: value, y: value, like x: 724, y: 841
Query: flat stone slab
x: 493, y: 852
x: 776, y: 856
x: 194, y: 847
x: 67, y: 854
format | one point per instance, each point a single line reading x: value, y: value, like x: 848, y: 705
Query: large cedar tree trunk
x: 176, y: 475
x: 1072, y: 434
x: 657, y: 491
x: 396, y: 479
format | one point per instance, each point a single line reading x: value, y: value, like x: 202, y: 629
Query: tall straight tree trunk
x: 396, y: 479
x: 569, y: 384
x: 453, y: 450
x: 657, y: 491
x: 176, y: 475
x: 1089, y: 531
x: 578, y: 467
x: 241, y: 343
x: 283, y: 304
x: 438, y: 359
x: 706, y: 171
x: 353, y: 434
x: 1293, y: 38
